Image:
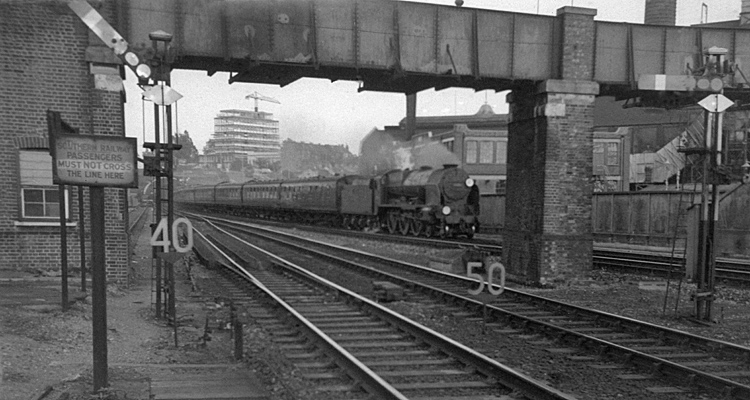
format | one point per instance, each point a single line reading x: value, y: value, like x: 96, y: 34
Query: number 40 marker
x: 161, y: 231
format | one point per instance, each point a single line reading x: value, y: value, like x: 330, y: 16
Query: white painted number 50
x: 490, y: 271
x: 161, y: 231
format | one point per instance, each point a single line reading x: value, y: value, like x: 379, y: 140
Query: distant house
x: 300, y: 159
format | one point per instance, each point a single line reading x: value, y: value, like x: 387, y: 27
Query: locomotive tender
x: 429, y: 202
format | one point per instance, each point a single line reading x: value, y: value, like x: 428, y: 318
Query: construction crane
x: 257, y: 96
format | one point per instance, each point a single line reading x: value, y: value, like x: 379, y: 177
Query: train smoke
x: 434, y: 155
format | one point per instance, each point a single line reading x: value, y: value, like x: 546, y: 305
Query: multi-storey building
x: 243, y: 138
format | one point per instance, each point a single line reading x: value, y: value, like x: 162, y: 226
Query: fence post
x: 238, y: 337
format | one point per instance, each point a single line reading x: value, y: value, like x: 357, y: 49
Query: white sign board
x: 715, y: 103
x: 90, y: 160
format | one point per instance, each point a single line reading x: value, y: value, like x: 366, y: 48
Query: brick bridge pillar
x: 547, y: 236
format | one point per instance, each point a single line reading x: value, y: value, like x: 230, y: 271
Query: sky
x: 318, y: 111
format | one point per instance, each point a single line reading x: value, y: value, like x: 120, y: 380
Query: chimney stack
x: 745, y: 13
x: 411, y: 114
x: 662, y: 12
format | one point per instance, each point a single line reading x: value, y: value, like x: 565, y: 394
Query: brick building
x: 50, y: 61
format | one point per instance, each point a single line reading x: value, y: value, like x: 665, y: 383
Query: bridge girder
x: 399, y: 46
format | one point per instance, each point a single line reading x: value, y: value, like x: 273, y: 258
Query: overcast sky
x: 317, y: 111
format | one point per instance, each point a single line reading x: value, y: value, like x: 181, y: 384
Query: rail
x: 504, y: 375
x: 616, y: 323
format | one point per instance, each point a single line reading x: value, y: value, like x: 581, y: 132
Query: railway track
x: 141, y: 213
x: 347, y: 341
x: 685, y: 359
x: 729, y: 270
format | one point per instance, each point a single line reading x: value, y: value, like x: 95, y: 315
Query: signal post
x: 715, y: 105
x: 714, y: 74
x: 118, y: 167
x: 161, y: 165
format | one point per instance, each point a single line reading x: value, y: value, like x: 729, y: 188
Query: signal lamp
x: 446, y: 210
x: 143, y: 71
x: 131, y: 58
x: 717, y: 84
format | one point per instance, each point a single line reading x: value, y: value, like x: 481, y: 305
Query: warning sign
x: 95, y: 161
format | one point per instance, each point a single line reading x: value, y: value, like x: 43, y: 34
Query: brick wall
x: 547, y: 234
x: 567, y: 248
x: 547, y: 230
x: 43, y: 67
x: 578, y: 36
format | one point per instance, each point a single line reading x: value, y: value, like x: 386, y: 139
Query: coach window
x: 471, y: 152
x: 40, y: 199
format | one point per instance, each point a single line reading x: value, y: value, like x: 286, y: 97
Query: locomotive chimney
x: 661, y: 12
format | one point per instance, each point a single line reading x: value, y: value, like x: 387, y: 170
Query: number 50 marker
x: 469, y: 273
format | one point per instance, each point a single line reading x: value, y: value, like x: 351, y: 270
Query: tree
x: 189, y: 153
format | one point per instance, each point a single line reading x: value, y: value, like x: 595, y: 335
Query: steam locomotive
x: 429, y: 202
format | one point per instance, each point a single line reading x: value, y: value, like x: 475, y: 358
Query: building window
x: 486, y: 152
x: 40, y: 199
x: 612, y: 153
x: 501, y: 152
x: 40, y: 203
x: 449, y: 144
x: 471, y: 152
x: 599, y: 159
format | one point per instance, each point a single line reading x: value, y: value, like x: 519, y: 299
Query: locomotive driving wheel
x: 417, y: 226
x: 392, y: 223
x: 404, y: 225
x: 429, y: 230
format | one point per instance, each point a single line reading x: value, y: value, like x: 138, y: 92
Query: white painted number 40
x: 490, y: 271
x: 161, y: 232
